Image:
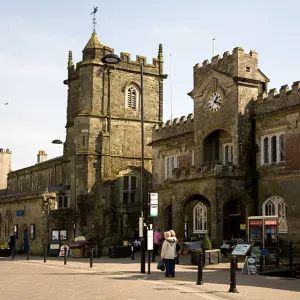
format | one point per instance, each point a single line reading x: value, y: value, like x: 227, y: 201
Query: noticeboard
x: 150, y: 239
x: 241, y: 249
x: 249, y: 266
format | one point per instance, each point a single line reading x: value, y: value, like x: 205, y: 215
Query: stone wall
x: 33, y: 207
x: 273, y: 116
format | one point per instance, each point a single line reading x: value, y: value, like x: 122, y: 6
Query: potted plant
x: 4, y: 250
x: 206, y: 243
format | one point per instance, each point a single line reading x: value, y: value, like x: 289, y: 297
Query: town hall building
x: 237, y: 155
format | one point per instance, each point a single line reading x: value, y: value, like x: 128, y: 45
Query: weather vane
x: 94, y: 19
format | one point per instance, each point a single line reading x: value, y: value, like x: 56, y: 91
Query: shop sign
x: 270, y: 222
x: 257, y: 223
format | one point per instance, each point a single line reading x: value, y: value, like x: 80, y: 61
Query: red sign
x: 256, y: 223
x: 271, y: 222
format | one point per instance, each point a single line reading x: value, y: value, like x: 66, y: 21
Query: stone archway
x: 168, y: 219
x: 218, y: 148
x: 8, y: 226
x: 23, y: 240
x: 1, y: 226
x: 195, y: 216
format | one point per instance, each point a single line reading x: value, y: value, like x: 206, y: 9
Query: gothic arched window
x: 200, y: 218
x: 276, y: 206
x: 131, y: 97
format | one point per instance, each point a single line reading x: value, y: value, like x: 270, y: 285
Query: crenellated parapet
x: 274, y: 100
x: 237, y: 64
x: 94, y: 51
x: 180, y: 126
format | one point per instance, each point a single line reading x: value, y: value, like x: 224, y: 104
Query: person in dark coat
x: 12, y: 245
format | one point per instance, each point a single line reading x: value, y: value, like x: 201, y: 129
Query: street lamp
x: 59, y: 142
x: 113, y: 59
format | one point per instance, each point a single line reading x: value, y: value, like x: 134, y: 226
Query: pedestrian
x: 156, y: 240
x: 177, y: 248
x: 12, y: 245
x: 168, y: 254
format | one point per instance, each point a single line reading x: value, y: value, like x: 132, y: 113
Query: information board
x: 241, y: 249
x: 150, y: 239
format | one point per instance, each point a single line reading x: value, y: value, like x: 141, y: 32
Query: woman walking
x: 168, y: 254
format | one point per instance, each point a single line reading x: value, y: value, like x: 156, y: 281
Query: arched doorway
x: 168, y: 218
x: 23, y: 239
x: 8, y: 224
x: 234, y: 219
x: 0, y: 226
x: 196, y: 217
x: 218, y: 147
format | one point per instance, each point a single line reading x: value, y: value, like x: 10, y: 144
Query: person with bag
x: 176, y: 260
x: 168, y: 254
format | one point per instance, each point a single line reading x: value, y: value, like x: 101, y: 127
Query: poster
x: 63, y: 235
x: 251, y: 265
x: 55, y: 235
x: 150, y: 239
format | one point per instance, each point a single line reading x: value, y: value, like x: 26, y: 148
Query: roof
x: 93, y: 42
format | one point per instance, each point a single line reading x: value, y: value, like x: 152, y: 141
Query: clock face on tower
x: 214, y: 101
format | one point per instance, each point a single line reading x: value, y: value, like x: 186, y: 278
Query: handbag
x: 161, y: 265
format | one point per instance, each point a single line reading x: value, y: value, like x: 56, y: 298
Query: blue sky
x: 37, y: 35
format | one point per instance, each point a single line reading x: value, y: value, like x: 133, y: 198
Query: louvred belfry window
x: 131, y: 98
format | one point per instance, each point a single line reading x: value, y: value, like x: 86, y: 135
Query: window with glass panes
x: 272, y: 148
x: 129, y: 189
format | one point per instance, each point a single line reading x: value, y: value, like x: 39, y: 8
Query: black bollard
x: 45, y: 254
x: 233, y: 264
x: 114, y: 252
x: 261, y: 259
x: 132, y: 251
x: 65, y: 255
x: 200, y: 269
x: 28, y: 253
x: 91, y: 256
x: 99, y: 250
x: 149, y: 261
x: 153, y: 255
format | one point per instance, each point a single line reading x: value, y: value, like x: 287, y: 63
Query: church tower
x: 103, y: 136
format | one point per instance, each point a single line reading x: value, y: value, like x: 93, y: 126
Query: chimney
x: 42, y: 156
x: 5, y: 167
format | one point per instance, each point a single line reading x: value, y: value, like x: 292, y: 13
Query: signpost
x: 153, y: 202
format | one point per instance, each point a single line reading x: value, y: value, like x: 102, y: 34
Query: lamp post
x: 59, y: 142
x: 113, y: 59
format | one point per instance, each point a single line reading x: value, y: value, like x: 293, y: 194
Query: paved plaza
x: 121, y: 279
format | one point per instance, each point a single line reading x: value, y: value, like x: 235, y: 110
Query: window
x: 193, y: 157
x: 273, y: 149
x: 171, y: 162
x: 276, y: 206
x: 34, y: 182
x: 63, y: 202
x: 131, y: 97
x: 200, y: 218
x: 129, y: 189
x: 20, y: 187
x: 83, y: 140
x: 227, y: 153
x: 49, y: 178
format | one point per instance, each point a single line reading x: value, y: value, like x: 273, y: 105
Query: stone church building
x: 93, y: 189
x: 237, y: 155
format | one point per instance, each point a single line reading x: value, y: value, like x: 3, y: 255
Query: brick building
x: 93, y: 189
x: 236, y: 156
